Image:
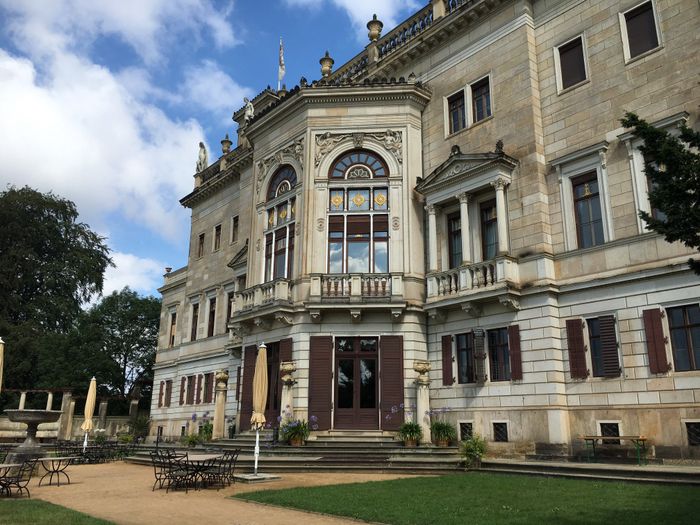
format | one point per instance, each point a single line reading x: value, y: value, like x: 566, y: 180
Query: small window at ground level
x: 641, y: 29
x: 612, y: 430
x: 693, y: 429
x: 572, y: 63
x: 466, y: 431
x: 500, y: 432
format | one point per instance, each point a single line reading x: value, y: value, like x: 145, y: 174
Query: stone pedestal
x: 423, y: 398
x: 219, y: 430
x: 287, y: 368
x: 102, y: 415
x: 30, y: 448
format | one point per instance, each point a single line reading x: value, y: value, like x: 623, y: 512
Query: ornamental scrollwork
x: 390, y: 139
x: 294, y: 150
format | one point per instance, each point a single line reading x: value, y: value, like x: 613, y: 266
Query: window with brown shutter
x: 684, y: 327
x: 320, y: 379
x: 190, y: 389
x: 447, y: 377
x: 608, y: 347
x: 479, y: 355
x: 577, y: 349
x: 208, y: 387
x: 183, y: 385
x: 499, y: 356
x: 392, y: 391
x: 572, y: 65
x: 198, y: 392
x: 160, y: 394
x: 168, y: 392
x: 466, y: 371
x: 656, y: 342
x: 246, y: 389
x: 238, y: 383
x: 641, y: 29
x: 516, y: 360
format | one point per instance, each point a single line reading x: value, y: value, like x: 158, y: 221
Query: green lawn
x: 480, y: 498
x: 37, y: 512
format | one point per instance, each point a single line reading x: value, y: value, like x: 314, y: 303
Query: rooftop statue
x: 203, y: 160
x: 249, y: 110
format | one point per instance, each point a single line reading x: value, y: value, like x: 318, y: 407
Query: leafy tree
x: 672, y: 164
x: 50, y: 266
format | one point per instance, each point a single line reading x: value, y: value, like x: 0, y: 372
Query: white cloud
x: 210, y: 88
x: 390, y: 12
x: 41, y: 27
x: 142, y: 275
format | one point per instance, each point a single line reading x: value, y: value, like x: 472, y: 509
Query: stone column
x: 22, y: 400
x: 102, y: 415
x: 501, y: 218
x: 287, y: 403
x: 69, y: 420
x: 219, y: 430
x: 423, y: 398
x: 432, y: 238
x: 464, y: 199
x: 49, y: 401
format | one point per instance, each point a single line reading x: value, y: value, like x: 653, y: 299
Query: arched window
x: 279, y: 225
x: 358, y: 164
x: 358, y: 214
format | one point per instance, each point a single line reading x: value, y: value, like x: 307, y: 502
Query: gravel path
x: 121, y: 493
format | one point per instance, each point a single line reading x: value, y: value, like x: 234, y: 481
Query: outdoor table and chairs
x: 174, y: 469
x: 16, y: 476
x: 56, y: 466
x: 5, y: 470
x: 639, y: 442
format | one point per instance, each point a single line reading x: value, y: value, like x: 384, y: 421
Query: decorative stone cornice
x: 325, y: 143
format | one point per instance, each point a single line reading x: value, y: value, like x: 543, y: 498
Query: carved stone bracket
x: 472, y: 308
x: 284, y: 319
x: 509, y: 301
x: 315, y: 316
x: 436, y: 316
x: 396, y: 313
x: 356, y: 316
x: 261, y: 323
x: 294, y: 150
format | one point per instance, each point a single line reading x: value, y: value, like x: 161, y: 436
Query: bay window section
x: 358, y: 239
x: 358, y: 243
x: 381, y: 244
x: 279, y: 235
x: 336, y: 228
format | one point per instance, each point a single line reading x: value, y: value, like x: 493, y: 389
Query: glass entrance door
x: 356, y: 383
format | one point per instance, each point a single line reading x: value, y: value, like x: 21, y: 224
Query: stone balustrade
x: 472, y: 278
x: 262, y: 295
x: 356, y: 287
x: 405, y: 32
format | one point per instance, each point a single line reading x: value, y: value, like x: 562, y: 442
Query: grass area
x: 37, y: 512
x: 481, y: 498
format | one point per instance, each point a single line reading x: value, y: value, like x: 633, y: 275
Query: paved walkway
x: 121, y: 493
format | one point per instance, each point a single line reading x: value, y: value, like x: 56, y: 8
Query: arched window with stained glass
x: 279, y: 225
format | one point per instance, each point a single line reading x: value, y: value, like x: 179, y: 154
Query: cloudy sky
x: 104, y: 103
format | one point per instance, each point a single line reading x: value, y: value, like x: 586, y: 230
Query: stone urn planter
x: 296, y: 442
x: 442, y: 443
x: 410, y: 443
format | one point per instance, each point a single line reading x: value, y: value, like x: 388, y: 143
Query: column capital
x: 430, y: 208
x: 464, y: 197
x: 499, y: 183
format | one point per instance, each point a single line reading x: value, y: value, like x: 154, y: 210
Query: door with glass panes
x: 356, y: 383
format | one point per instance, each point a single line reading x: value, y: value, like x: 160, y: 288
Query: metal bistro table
x: 5, y: 469
x: 199, y: 463
x: 55, y: 466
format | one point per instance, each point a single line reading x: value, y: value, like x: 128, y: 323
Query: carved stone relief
x: 320, y: 223
x: 294, y: 150
x: 392, y: 141
x: 395, y: 223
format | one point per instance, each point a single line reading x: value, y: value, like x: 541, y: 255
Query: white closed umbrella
x: 87, y: 425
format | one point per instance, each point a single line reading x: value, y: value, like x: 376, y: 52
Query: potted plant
x: 295, y: 431
x: 410, y: 433
x: 472, y: 450
x: 443, y: 432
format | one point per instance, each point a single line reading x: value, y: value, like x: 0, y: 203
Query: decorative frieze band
x: 390, y: 139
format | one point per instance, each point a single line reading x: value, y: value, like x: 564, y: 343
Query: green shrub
x: 206, y: 431
x: 125, y: 438
x: 410, y: 431
x: 473, y: 449
x: 443, y: 431
x: 191, y: 440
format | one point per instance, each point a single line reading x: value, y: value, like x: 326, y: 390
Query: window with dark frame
x: 217, y: 237
x: 212, y: 317
x: 466, y: 431
x: 190, y: 390
x: 168, y: 392
x: 641, y: 29
x: 195, y: 320
x: 208, y: 385
x: 171, y: 335
x: 200, y: 246
x: 454, y: 239
x: 499, y: 356
x: 572, y: 63
x: 234, y: 229
x: 456, y: 112
x: 655, y: 212
x: 481, y: 99
x: 280, y: 228
x: 489, y: 230
x: 603, y: 344
x: 466, y: 366
x: 693, y: 429
x: 587, y: 210
x: 684, y: 327
x: 230, y: 298
x: 611, y: 430
x: 500, y: 432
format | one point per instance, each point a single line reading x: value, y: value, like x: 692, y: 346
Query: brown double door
x: 356, y: 383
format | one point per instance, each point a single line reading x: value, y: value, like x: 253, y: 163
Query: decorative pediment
x: 241, y: 258
x: 461, y: 168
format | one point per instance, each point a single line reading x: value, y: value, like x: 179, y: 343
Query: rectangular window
x: 190, y: 390
x: 454, y: 240
x: 212, y: 317
x: 640, y: 26
x: 612, y: 430
x: 481, y: 99
x: 466, y: 369
x: 200, y: 245
x: 234, y: 229
x: 208, y: 387
x: 381, y: 244
x: 336, y: 229
x: 168, y: 392
x: 268, y: 257
x: 500, y: 432
x: 290, y: 251
x: 466, y: 431
x: 684, y: 324
x: 572, y: 63
x: 499, y: 356
x: 280, y: 252
x: 603, y: 342
x: 489, y: 230
x: 358, y: 239
x: 171, y: 336
x: 230, y: 298
x: 693, y: 429
x: 655, y: 212
x: 217, y: 237
x: 589, y: 220
x: 456, y: 112
x: 195, y: 320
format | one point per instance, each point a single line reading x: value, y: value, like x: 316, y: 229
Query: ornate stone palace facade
x: 461, y: 192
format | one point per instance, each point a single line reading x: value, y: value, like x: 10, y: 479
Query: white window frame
x: 640, y: 186
x: 625, y: 36
x: 557, y: 64
x: 195, y: 301
x: 469, y: 101
x: 446, y: 112
x: 570, y: 166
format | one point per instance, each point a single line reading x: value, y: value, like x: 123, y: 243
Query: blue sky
x: 104, y: 103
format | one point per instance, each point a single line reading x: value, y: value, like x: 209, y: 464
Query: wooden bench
x: 640, y: 445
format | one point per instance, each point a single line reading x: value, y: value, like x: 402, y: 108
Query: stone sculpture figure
x: 203, y: 160
x: 249, y: 110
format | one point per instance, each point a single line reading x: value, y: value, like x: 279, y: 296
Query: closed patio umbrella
x: 87, y: 425
x: 2, y: 359
x: 259, y: 398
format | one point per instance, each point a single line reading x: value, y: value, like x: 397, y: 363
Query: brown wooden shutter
x: 608, y: 345
x: 516, y: 360
x: 168, y: 392
x: 285, y: 353
x: 391, y: 381
x: 198, y: 391
x: 479, y: 356
x: 247, y: 387
x: 183, y: 383
x: 447, y: 377
x: 577, y: 349
x: 160, y: 394
x: 320, y: 379
x: 190, y: 390
x: 656, y: 342
x: 238, y: 383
